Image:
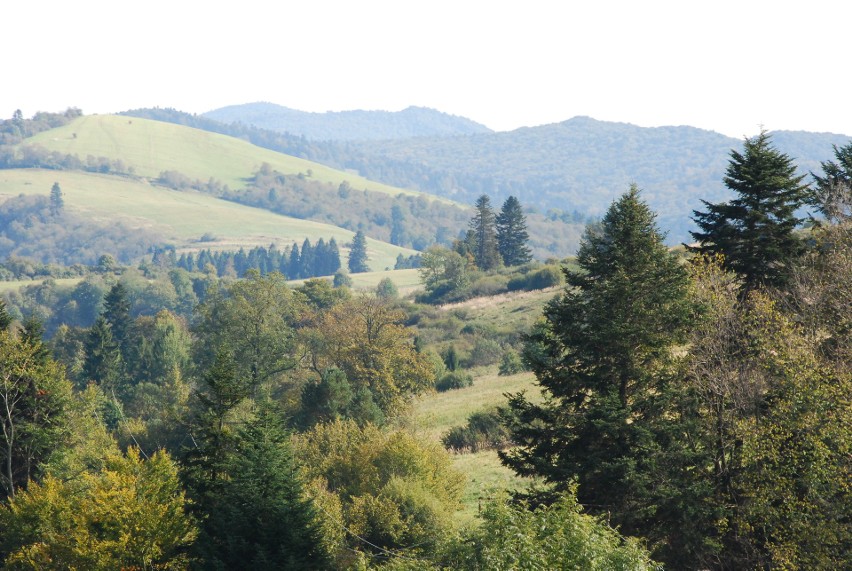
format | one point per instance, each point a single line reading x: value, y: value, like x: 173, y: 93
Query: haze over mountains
x: 577, y: 165
x: 348, y: 125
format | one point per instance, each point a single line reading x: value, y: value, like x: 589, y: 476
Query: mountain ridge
x: 357, y: 124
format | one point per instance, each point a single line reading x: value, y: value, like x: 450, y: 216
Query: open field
x: 152, y: 147
x: 436, y: 413
x: 15, y: 285
x: 183, y: 217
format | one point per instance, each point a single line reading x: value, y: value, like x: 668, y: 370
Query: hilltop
x: 348, y: 125
x: 576, y: 166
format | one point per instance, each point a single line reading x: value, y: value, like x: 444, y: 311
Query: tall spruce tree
x: 56, y: 200
x: 358, y: 254
x: 604, y: 359
x: 483, y: 235
x: 512, y: 235
x: 832, y: 193
x: 755, y: 231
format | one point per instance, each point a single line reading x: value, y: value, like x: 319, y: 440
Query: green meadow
x: 183, y: 217
x: 152, y: 147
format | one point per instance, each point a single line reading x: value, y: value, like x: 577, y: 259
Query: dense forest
x: 687, y: 408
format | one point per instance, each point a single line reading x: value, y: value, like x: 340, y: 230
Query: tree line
x: 311, y: 260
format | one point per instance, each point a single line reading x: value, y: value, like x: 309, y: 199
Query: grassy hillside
x: 181, y: 218
x: 152, y: 147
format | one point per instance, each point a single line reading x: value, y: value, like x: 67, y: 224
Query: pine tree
x: 512, y: 235
x: 755, y: 230
x: 56, y: 201
x: 333, y: 257
x: 103, y: 364
x: 832, y: 194
x: 358, y: 254
x: 484, y: 235
x: 604, y: 359
x: 295, y: 263
x: 307, y: 260
x: 117, y: 314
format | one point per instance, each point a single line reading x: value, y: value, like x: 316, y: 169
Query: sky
x: 729, y: 66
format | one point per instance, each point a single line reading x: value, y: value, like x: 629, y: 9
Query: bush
x: 483, y: 431
x: 543, y: 278
x: 485, y: 352
x: 452, y: 381
x: 510, y: 364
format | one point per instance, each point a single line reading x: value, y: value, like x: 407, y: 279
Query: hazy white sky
x: 724, y: 65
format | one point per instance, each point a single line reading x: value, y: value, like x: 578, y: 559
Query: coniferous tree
x: 56, y: 200
x: 295, y: 263
x: 755, y: 231
x: 358, y: 254
x: 832, y: 194
x: 117, y: 314
x: 260, y: 518
x: 6, y: 318
x: 512, y: 235
x: 103, y: 364
x: 333, y: 257
x: 604, y: 359
x: 484, y: 235
x: 307, y: 259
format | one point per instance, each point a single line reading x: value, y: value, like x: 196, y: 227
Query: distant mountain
x: 348, y: 125
x: 578, y: 165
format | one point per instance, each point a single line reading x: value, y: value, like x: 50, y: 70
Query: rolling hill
x: 180, y: 218
x: 151, y: 147
x: 579, y: 165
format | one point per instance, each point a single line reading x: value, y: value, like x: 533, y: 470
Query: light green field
x: 436, y: 413
x: 182, y: 217
x: 152, y: 147
x: 406, y: 281
x: 15, y: 285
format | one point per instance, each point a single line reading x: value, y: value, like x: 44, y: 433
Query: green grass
x: 15, y: 285
x: 181, y: 218
x: 436, y: 413
x: 152, y: 147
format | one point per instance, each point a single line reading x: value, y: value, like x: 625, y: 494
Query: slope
x: 151, y: 147
x: 180, y: 218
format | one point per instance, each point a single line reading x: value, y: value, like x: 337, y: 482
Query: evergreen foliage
x: 832, y: 193
x: 482, y: 238
x: 358, y: 254
x: 512, y: 235
x: 604, y: 359
x: 755, y: 231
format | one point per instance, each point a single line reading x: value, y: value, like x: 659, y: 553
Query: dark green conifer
x: 755, y: 230
x: 512, y: 235
x: 604, y: 359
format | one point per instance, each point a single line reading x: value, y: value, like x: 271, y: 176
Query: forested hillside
x: 632, y: 407
x: 348, y: 125
x: 573, y: 166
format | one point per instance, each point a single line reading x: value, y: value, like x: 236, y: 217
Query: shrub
x: 485, y: 352
x: 510, y: 364
x: 483, y: 431
x: 543, y: 278
x: 452, y: 381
